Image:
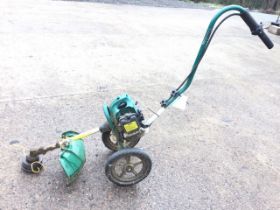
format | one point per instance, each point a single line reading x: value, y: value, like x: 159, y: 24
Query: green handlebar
x: 244, y: 14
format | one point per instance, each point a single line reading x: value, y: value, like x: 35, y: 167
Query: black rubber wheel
x: 128, y: 166
x: 112, y: 144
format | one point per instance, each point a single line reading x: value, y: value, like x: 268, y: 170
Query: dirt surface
x: 153, y: 3
x: 60, y: 60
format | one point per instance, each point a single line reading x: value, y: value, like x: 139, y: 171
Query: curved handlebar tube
x: 255, y: 28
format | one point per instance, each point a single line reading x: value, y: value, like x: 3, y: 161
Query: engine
x: 125, y: 118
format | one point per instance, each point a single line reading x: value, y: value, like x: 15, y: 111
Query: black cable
x: 217, y: 27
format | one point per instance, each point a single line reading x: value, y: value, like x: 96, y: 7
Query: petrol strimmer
x: 125, y: 123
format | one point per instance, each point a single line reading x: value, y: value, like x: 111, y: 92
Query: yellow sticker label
x: 131, y: 126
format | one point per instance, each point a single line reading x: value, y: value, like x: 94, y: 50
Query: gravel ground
x: 60, y: 60
x: 153, y: 3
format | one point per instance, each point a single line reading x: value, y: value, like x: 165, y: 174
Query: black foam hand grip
x: 266, y: 40
x: 256, y: 29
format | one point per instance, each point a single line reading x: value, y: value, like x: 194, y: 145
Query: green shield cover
x: 72, y: 157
